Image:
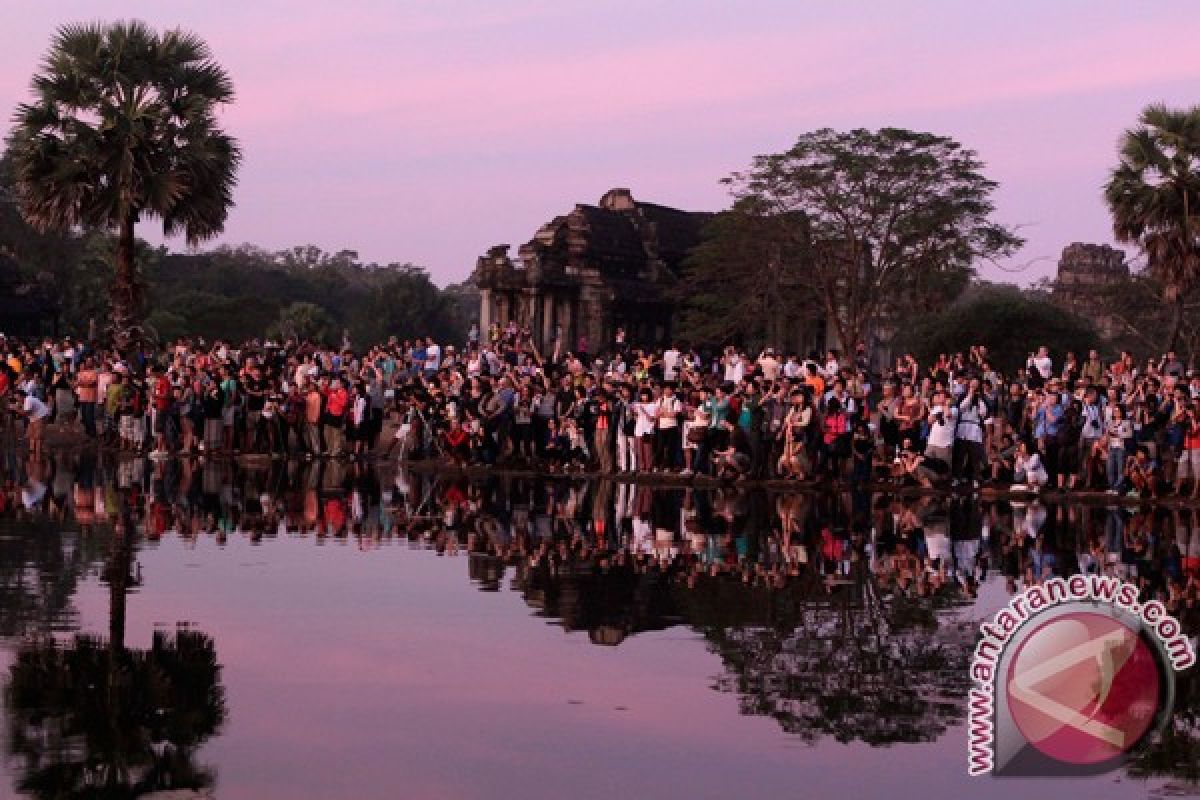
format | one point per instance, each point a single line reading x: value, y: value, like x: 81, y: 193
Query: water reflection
x: 90, y: 717
x: 838, y: 616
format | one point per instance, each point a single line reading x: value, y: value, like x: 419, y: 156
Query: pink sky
x: 426, y: 132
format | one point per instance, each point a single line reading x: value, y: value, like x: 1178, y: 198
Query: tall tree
x: 745, y: 282
x: 889, y: 217
x: 122, y: 127
x: 1154, y: 197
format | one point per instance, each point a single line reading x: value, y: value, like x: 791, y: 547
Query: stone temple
x: 1085, y: 273
x: 590, y: 271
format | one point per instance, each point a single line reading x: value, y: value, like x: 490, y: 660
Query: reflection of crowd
x: 917, y: 546
x: 1121, y: 426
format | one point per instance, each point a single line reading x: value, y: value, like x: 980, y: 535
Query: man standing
x: 969, y: 456
x: 86, y: 381
x: 161, y: 394
x: 670, y: 363
x: 602, y: 438
x: 668, y: 427
x: 940, y: 445
x: 36, y: 412
x: 1093, y: 429
x: 625, y: 424
x: 336, y: 404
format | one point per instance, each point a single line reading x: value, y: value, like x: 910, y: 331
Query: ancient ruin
x: 591, y: 271
x: 1085, y: 273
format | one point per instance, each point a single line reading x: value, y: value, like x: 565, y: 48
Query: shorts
x: 1189, y: 461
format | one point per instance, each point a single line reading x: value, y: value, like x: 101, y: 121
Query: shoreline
x: 59, y: 440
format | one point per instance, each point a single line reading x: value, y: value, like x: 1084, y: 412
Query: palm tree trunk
x: 124, y: 292
x: 1176, y: 321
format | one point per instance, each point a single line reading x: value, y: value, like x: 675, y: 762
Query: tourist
x: 36, y: 412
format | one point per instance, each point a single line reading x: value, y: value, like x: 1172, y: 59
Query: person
x: 358, y: 421
x: 646, y: 409
x: 667, y: 413
x: 1028, y: 470
x: 36, y: 412
x: 1119, y: 430
x: 333, y: 420
x: 600, y: 413
x: 836, y: 436
x: 940, y: 441
x: 456, y: 442
x: 625, y: 420
x: 969, y: 431
x: 213, y: 402
x: 695, y: 434
x: 1142, y: 474
x: 732, y: 460
x: 797, y: 435
x: 86, y: 383
x: 161, y: 399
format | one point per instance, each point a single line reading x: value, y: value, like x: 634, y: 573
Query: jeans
x: 626, y: 452
x: 87, y: 412
x: 1115, y: 468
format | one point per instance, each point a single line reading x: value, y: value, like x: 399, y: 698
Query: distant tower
x: 1085, y: 271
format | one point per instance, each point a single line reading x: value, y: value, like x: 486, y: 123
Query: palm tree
x: 122, y: 127
x: 1154, y: 197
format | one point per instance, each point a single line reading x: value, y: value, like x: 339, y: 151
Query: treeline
x: 232, y: 292
x: 243, y: 292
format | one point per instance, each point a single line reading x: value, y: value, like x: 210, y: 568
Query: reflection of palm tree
x: 95, y: 719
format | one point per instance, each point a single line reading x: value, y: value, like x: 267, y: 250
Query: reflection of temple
x: 592, y: 270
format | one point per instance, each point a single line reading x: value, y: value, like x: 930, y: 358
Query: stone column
x: 533, y: 304
x: 546, y: 335
x: 566, y: 321
x: 503, y: 313
x: 591, y: 320
x: 485, y: 313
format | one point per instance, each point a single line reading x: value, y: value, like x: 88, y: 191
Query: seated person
x: 1004, y: 459
x: 558, y: 446
x: 1143, y: 474
x: 909, y: 465
x: 733, y: 460
x: 1028, y: 470
x: 457, y: 442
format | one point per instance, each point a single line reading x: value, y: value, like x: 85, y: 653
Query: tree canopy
x: 880, y: 219
x: 1009, y: 320
x: 123, y: 126
x: 1154, y: 197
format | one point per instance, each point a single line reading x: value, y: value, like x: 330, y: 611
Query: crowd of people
x: 1059, y: 421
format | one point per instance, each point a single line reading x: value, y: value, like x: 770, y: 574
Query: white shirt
x: 942, y: 435
x: 644, y: 426
x: 1044, y: 365
x: 670, y: 364
x: 770, y: 367
x: 433, y: 357
x: 734, y: 369
x: 667, y: 410
x: 35, y: 408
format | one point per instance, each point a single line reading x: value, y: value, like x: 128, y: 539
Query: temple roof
x: 621, y: 238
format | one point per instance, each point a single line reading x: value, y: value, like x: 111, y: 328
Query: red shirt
x: 337, y: 401
x: 162, y: 393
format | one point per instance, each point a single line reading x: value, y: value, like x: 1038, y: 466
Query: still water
x: 343, y: 632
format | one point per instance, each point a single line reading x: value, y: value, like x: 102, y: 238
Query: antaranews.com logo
x: 1070, y: 677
